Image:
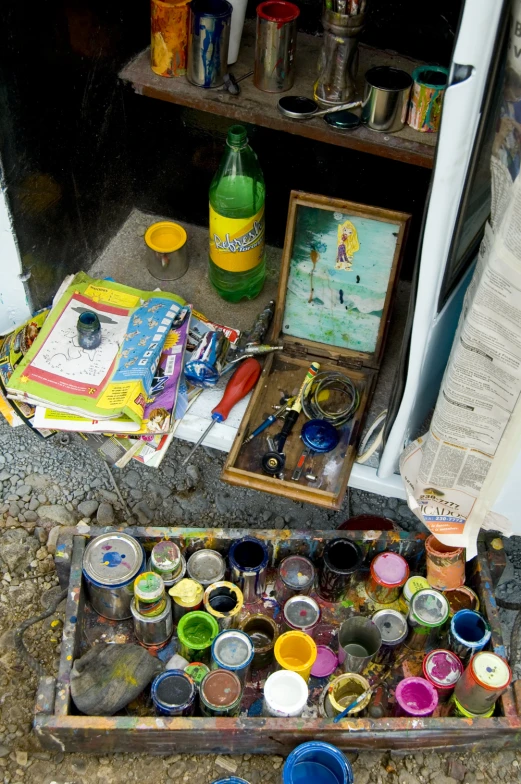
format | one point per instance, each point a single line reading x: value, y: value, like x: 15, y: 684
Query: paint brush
x: 371, y: 688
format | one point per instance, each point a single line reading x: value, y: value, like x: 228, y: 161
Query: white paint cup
x: 285, y: 694
x: 237, y: 24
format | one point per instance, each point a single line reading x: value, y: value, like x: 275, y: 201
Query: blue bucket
x: 317, y: 762
x: 232, y: 780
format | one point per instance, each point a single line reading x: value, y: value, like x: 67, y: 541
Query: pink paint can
x: 443, y: 669
x: 415, y: 697
x: 389, y: 572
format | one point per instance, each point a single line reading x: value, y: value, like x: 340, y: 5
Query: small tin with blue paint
x: 208, y: 39
x: 469, y: 633
x: 233, y: 650
x: 111, y: 563
x: 174, y: 693
x: 317, y: 762
x: 248, y: 558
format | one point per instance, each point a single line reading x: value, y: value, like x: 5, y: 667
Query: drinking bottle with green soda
x: 237, y: 266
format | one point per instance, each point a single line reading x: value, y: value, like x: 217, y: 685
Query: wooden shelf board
x: 260, y: 108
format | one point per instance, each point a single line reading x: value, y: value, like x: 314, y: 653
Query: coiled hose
x: 321, y: 386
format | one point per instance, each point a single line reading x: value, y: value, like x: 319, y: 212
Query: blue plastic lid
x: 317, y: 763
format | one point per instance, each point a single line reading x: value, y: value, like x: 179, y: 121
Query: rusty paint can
x: 388, y: 573
x: 296, y: 575
x: 443, y: 669
x: 445, y: 565
x: 263, y: 632
x: 169, y: 37
x: 457, y: 709
x: 463, y: 598
x: 428, y: 614
x: 428, y: 89
x: 220, y: 694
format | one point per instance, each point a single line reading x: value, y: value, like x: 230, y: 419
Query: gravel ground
x: 47, y: 484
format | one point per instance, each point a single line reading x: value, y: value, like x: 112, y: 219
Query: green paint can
x: 196, y: 632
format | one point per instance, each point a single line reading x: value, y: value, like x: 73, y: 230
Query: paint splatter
x: 341, y: 295
x: 113, y: 559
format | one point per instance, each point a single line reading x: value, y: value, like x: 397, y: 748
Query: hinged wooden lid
x: 339, y: 267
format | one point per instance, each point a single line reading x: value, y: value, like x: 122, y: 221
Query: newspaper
x: 454, y: 472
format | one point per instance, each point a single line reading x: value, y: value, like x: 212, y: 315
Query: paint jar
x: 386, y: 98
x: 166, y: 559
x: 187, y: 596
x: 208, y: 39
x: 388, y: 573
x: 263, y: 632
x: 414, y: 584
x: 153, y: 632
x: 208, y: 360
x: 359, y: 641
x: 248, y: 558
x: 285, y: 694
x: 233, y: 650
x: 169, y: 37
x: 296, y: 651
x: 393, y: 630
x: 415, y: 697
x: 275, y: 46
x: 224, y: 601
x: 196, y: 632
x: 167, y: 256
x: 174, y: 693
x: 89, y: 330
x: 428, y: 89
x: 445, y: 565
x: 111, y: 563
x: 469, y: 633
x: 443, y: 669
x: 457, y: 709
x: 485, y: 679
x: 317, y: 762
x: 197, y: 671
x: 340, y: 561
x: 206, y: 567
x: 220, y: 694
x: 325, y: 663
x: 296, y: 575
x: 428, y: 613
x: 463, y: 598
x: 339, y: 57
x: 301, y: 613
x: 344, y: 690
x: 149, y: 594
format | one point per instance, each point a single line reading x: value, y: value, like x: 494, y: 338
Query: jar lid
x: 206, y: 566
x: 166, y: 557
x: 429, y: 607
x: 149, y: 587
x: 325, y: 663
x: 165, y: 237
x: 443, y: 668
x: 389, y: 569
x: 113, y: 559
x: 221, y: 688
x: 232, y: 649
x: 490, y: 670
x: 301, y: 612
x: 392, y: 625
x: 187, y: 593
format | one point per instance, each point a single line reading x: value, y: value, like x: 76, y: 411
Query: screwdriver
x: 242, y: 382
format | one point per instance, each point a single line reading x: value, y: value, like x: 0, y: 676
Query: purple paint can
x: 415, y: 697
x: 442, y: 669
x: 325, y: 663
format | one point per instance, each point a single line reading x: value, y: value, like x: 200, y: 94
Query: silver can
x: 394, y: 629
x: 152, y: 632
x: 248, y: 558
x: 386, y: 98
x: 233, y: 650
x: 111, y: 563
x: 428, y: 614
x: 302, y: 614
x: 206, y: 567
x: 359, y: 641
x: 175, y: 576
x: 208, y: 39
x: 296, y: 576
x: 275, y: 45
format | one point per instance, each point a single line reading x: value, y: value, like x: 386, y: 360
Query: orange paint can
x: 445, y: 565
x: 169, y: 37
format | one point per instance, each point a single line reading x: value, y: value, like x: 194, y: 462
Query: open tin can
x: 263, y: 632
x: 224, y: 601
x: 443, y: 669
x: 428, y: 613
x: 301, y: 613
x: 206, y: 567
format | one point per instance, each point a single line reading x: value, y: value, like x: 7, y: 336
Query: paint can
x: 169, y: 37
x: 296, y: 651
x: 301, y: 613
x: 463, y: 598
x: 393, y: 630
x: 318, y: 762
x: 111, y: 563
x: 457, y: 709
x: 415, y: 697
x: 149, y: 594
x: 428, y: 90
x: 89, y: 330
x: 233, y: 650
x: 485, y: 679
x: 208, y: 360
x: 231, y: 780
x: 263, y: 632
x: 386, y: 98
x: 173, y: 693
x: 248, y: 558
x: 344, y: 690
x: 156, y: 631
x: 208, y: 39
x: 414, y: 584
x: 340, y: 561
x: 187, y: 596
x: 166, y: 559
x: 443, y: 669
x: 220, y: 694
x: 206, y: 567
x: 285, y: 694
x: 339, y: 57
x: 388, y: 573
x: 295, y: 576
x: 428, y: 613
x: 196, y: 632
x: 197, y: 671
x: 468, y: 634
x: 445, y: 565
x: 224, y: 601
x: 275, y: 45
x: 167, y: 257
x: 325, y: 663
x: 359, y: 641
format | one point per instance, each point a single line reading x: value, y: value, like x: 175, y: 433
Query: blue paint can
x: 209, y: 35
x: 174, y: 693
x: 248, y: 559
x: 231, y: 780
x: 469, y: 633
x: 317, y: 762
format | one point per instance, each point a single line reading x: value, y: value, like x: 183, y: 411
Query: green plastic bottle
x: 237, y: 267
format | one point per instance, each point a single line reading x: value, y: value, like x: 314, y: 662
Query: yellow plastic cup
x: 297, y: 652
x: 167, y: 254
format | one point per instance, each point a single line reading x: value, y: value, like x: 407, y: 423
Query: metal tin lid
x: 187, y: 593
x: 491, y: 670
x: 413, y: 585
x: 297, y: 572
x: 389, y: 569
x: 113, y: 559
x: 206, y: 566
x: 301, y: 612
x: 149, y: 587
x: 429, y: 608
x: 221, y: 689
x: 392, y: 625
x: 443, y: 668
x: 232, y: 649
x: 165, y: 557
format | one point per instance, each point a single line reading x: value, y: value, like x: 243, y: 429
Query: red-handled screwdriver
x: 242, y: 382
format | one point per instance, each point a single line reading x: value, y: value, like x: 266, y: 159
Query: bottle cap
x: 237, y: 135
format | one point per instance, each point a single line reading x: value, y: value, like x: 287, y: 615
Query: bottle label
x: 236, y: 244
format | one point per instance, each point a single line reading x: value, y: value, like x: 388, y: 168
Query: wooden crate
x: 59, y: 729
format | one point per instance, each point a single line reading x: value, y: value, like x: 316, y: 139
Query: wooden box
x: 60, y: 728
x: 339, y: 268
